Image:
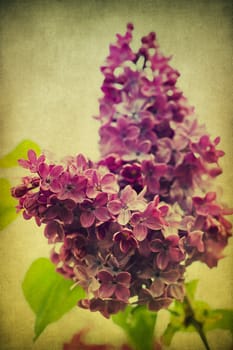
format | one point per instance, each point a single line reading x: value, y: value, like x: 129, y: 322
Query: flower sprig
x: 126, y: 227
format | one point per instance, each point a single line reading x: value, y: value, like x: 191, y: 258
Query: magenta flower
x: 107, y: 307
x: 79, y: 341
x: 152, y: 173
x: 129, y: 201
x: 195, y: 240
x: 114, y: 285
x: 113, y: 162
x: 54, y: 232
x: 86, y: 279
x: 121, y: 51
x: 151, y: 218
x: 120, y: 54
x: 117, y: 136
x: 94, y: 209
x: 154, y: 299
x: 100, y: 183
x: 147, y: 128
x: 161, y: 279
x: 27, y: 185
x: 126, y: 240
x: 33, y: 162
x: 50, y: 177
x: 33, y: 205
x: 207, y: 149
x: 171, y: 150
x: 60, y: 210
x: 188, y: 174
x: 77, y: 165
x: 168, y: 251
x: 131, y: 173
x: 176, y: 291
x: 207, y: 205
x: 72, y: 187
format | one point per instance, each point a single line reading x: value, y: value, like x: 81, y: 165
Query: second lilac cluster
x: 148, y: 126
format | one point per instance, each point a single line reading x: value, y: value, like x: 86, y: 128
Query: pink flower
x: 207, y: 149
x: 114, y: 285
x: 151, y: 218
x: 126, y: 240
x: 54, y: 232
x: 121, y: 51
x: 170, y: 151
x: 107, y: 307
x: 155, y: 302
x: 152, y: 173
x: 131, y: 173
x: 195, y: 240
x: 94, y: 209
x: 207, y: 205
x: 33, y: 162
x: 77, y: 165
x: 168, y: 251
x: 72, y: 187
x: 60, y: 210
x: 98, y: 183
x: 116, y: 136
x: 50, y: 177
x: 129, y: 201
x: 189, y: 172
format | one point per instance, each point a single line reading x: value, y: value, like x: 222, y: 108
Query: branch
x: 190, y: 319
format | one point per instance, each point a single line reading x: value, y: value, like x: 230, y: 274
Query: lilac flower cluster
x: 126, y: 227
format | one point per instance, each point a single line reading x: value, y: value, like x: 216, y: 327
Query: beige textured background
x: 50, y: 82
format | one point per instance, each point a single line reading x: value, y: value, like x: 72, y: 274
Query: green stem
x: 190, y: 319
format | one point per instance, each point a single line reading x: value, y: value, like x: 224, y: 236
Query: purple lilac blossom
x: 128, y: 225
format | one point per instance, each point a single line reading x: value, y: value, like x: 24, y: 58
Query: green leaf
x: 7, y: 204
x: 48, y: 293
x: 138, y: 323
x: 219, y: 319
x: 169, y: 333
x: 191, y: 288
x: 20, y: 151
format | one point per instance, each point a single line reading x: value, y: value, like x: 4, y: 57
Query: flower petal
x: 124, y: 217
x: 122, y: 293
x: 176, y: 291
x: 157, y: 288
x: 32, y: 156
x: 56, y: 170
x: 128, y: 195
x: 140, y: 232
x: 162, y: 261
x: 102, y: 214
x: 87, y: 218
x: 170, y: 276
x: 106, y: 290
x: 105, y: 276
x: 138, y: 204
x: 114, y: 206
x: 123, y: 278
x: 43, y: 170
x: 156, y: 245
